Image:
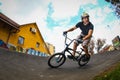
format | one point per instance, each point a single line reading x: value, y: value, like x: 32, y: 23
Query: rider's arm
x: 89, y: 34
x: 71, y: 29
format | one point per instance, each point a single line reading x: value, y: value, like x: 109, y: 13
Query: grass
x: 112, y: 73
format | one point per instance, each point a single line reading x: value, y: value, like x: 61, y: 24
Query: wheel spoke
x: 56, y: 60
x: 82, y: 61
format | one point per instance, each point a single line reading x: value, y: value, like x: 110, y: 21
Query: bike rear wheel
x: 56, y: 60
x: 82, y: 61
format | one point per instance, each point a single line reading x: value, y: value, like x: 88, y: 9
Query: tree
x: 116, y: 6
x: 100, y: 43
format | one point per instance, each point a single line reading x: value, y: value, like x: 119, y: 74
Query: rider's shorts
x: 85, y: 42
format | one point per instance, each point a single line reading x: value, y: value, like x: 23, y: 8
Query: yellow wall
x: 4, y: 31
x: 30, y: 39
x: 51, y: 48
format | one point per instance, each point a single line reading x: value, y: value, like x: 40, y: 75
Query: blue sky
x: 55, y: 16
x: 76, y: 18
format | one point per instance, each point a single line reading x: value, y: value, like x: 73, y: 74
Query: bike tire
x: 81, y: 62
x: 61, y: 59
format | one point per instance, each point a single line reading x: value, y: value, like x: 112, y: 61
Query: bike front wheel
x: 56, y: 60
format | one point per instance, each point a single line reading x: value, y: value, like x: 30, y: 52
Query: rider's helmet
x: 85, y: 15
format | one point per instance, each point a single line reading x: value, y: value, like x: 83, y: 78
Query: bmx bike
x: 58, y: 59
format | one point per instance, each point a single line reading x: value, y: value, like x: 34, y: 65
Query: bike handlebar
x: 65, y: 35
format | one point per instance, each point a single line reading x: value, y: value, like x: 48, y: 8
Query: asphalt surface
x: 19, y: 66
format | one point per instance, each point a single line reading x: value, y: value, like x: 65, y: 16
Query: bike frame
x: 58, y: 59
x: 67, y: 49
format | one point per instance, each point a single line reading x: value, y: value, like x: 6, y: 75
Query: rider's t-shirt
x: 85, y: 28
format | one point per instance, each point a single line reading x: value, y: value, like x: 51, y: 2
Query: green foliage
x: 113, y: 74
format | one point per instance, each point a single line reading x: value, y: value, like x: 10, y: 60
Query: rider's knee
x: 85, y: 46
x: 76, y: 44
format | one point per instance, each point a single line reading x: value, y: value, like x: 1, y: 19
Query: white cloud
x: 67, y: 8
x: 107, y: 32
x: 88, y: 2
x: 107, y: 10
x: 54, y: 36
x: 98, y: 14
x: 9, y: 7
x: 38, y: 14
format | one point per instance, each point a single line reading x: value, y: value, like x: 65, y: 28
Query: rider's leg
x: 74, y: 48
x: 76, y: 43
x: 85, y: 46
x: 86, y: 50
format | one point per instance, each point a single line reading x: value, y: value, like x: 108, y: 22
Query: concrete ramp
x: 19, y: 66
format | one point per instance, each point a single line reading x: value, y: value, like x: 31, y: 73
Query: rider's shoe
x: 86, y: 58
x: 70, y: 57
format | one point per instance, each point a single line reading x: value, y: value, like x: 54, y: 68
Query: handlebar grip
x: 65, y: 33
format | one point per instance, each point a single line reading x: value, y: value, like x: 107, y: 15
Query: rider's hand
x: 80, y: 40
x: 65, y: 32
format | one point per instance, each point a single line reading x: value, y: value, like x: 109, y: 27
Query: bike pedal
x: 73, y: 59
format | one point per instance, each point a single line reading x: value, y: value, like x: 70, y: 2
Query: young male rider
x: 87, y: 30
